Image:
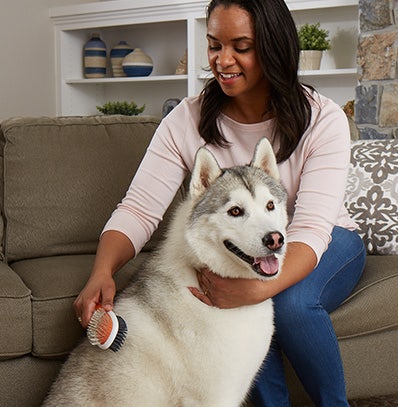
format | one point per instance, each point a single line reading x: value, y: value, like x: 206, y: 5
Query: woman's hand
x: 221, y: 292
x: 114, y: 250
x: 228, y: 292
x: 100, y: 289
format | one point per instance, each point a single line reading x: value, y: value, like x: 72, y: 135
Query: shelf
x: 322, y: 72
x: 150, y: 9
x: 164, y: 30
x: 205, y: 75
x: 318, y: 4
x: 155, y: 78
x: 123, y: 12
x: 330, y: 72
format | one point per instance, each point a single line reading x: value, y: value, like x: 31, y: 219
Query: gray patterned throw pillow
x: 372, y: 193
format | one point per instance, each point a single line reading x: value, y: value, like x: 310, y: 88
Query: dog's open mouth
x: 267, y: 266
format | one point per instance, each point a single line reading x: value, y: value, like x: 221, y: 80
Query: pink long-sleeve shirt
x: 314, y: 175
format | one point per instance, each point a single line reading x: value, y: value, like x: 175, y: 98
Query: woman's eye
x: 270, y: 205
x: 214, y: 47
x: 235, y: 211
x: 242, y: 50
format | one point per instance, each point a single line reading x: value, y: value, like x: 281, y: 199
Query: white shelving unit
x: 164, y: 31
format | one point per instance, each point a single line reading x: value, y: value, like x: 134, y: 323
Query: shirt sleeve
x: 323, y: 157
x: 155, y: 183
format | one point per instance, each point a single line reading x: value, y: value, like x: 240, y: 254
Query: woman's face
x: 232, y: 54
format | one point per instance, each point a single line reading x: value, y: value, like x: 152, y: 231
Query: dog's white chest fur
x: 194, y: 354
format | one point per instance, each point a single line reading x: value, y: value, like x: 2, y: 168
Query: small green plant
x: 124, y: 108
x: 313, y: 37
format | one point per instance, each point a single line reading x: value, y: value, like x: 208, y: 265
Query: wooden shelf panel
x: 155, y: 78
x: 330, y: 72
x: 320, y: 72
x: 297, y: 5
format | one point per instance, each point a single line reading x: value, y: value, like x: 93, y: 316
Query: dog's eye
x: 235, y: 211
x: 270, y: 206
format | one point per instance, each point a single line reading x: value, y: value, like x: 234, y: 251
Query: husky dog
x: 180, y: 351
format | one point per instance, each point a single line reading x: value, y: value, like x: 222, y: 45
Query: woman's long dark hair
x: 277, y: 48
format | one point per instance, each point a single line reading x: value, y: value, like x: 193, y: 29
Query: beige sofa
x: 60, y: 180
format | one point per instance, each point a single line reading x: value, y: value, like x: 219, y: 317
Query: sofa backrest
x: 63, y: 177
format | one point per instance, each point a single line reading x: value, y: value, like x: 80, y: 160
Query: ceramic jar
x: 137, y: 63
x: 118, y: 52
x: 94, y: 57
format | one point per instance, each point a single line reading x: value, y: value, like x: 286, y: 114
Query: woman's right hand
x: 114, y: 250
x: 100, y: 289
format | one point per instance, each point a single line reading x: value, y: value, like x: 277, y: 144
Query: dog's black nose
x: 273, y: 240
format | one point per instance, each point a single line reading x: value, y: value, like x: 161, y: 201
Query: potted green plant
x: 313, y: 41
x: 124, y: 108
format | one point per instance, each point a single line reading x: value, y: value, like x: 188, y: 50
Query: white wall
x: 27, y: 83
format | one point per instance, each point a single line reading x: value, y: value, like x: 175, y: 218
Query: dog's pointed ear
x: 205, y: 171
x: 265, y: 159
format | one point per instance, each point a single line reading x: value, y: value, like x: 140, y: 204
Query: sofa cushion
x: 372, y: 193
x: 25, y: 381
x: 54, y: 283
x: 15, y: 315
x: 63, y: 177
x: 373, y: 305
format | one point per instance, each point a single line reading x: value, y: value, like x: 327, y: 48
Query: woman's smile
x: 228, y: 77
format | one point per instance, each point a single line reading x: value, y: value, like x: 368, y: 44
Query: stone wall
x: 376, y: 102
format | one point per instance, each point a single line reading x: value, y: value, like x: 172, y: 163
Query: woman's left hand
x: 228, y: 292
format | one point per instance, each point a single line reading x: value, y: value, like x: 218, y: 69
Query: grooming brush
x: 106, y: 330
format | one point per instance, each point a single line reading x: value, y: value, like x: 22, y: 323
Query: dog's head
x: 238, y: 219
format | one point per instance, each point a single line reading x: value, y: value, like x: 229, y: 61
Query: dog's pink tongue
x: 269, y: 265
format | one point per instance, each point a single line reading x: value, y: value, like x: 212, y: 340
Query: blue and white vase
x: 118, y: 52
x: 137, y: 63
x: 94, y: 57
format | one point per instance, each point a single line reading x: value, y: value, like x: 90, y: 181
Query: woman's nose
x: 225, y: 58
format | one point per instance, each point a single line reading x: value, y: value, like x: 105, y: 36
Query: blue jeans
x: 304, y: 332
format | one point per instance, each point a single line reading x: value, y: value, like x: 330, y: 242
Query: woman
x: 253, y: 53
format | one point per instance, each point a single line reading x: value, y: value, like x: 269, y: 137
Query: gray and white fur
x: 180, y: 351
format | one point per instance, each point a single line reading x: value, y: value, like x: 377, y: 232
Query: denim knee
x: 336, y: 274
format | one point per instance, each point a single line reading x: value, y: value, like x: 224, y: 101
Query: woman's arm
x: 114, y: 250
x: 154, y: 185
x: 299, y: 261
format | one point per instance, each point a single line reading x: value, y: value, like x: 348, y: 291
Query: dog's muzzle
x: 266, y: 266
